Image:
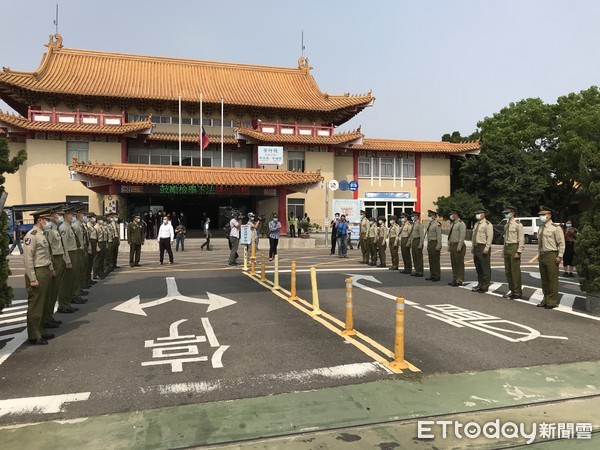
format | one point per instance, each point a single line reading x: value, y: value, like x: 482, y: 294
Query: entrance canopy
x: 94, y: 175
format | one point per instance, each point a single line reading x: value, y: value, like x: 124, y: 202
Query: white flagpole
x: 222, y: 108
x: 201, y: 137
x: 180, y: 129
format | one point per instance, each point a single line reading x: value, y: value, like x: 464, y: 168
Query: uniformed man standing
x: 434, y: 246
x: 551, y: 246
x: 95, y: 255
x: 116, y: 242
x: 382, y: 234
x: 99, y: 259
x: 483, y: 235
x: 39, y: 273
x: 514, y: 244
x: 65, y: 291
x: 394, y: 238
x: 77, y: 227
x: 372, y: 241
x: 415, y: 243
x: 405, y: 231
x: 456, y: 247
x: 109, y: 231
x: 135, y: 239
x: 364, y: 231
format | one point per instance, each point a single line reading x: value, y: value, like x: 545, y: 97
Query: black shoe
x: 407, y: 272
x: 428, y: 278
x: 451, y: 283
x: 83, y: 292
x: 372, y: 264
x: 161, y: 263
x: 48, y: 336
x: 131, y: 265
x: 79, y: 300
x: 91, y: 282
x: 550, y: 306
x: 117, y: 267
x: 171, y: 262
x: 40, y: 341
x: 70, y: 309
x: 56, y: 321
x: 363, y: 262
x: 482, y: 291
x: 233, y: 264
x: 435, y: 279
x: 476, y: 289
x: 565, y: 274
x: 541, y: 305
x: 417, y: 275
x: 51, y: 325
x: 393, y: 268
x: 507, y: 295
x: 86, y: 286
x: 516, y: 297
x: 102, y: 277
x: 381, y: 265
x: 137, y: 265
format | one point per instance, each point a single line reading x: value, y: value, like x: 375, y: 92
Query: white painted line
x: 210, y: 333
x: 197, y: 339
x: 40, y: 405
x: 18, y: 302
x: 13, y: 320
x: 13, y: 308
x: 22, y: 312
x: 11, y: 327
x: 216, y: 357
x: 11, y: 346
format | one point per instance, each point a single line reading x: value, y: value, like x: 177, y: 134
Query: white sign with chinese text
x: 245, y: 234
x: 270, y: 156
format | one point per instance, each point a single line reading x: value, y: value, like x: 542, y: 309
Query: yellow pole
x: 263, y: 270
x: 276, y: 274
x: 293, y: 295
x: 315, y: 291
x: 349, y: 331
x: 253, y: 256
x: 245, y: 258
x: 399, y: 362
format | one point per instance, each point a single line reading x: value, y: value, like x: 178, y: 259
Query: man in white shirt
x: 234, y: 238
x: 166, y: 234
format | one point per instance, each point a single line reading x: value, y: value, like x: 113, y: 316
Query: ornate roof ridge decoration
x: 194, y: 175
x: 404, y: 145
x: 189, y: 137
x: 90, y: 73
x: 346, y: 137
x: 20, y: 124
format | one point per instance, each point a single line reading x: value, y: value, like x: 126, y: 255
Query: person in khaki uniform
x: 394, y: 238
x: 364, y: 231
x: 382, y: 234
x: 372, y: 241
x: 95, y: 249
x: 99, y: 258
x: 109, y: 233
x: 483, y: 235
x: 135, y: 239
x: 405, y: 230
x: 65, y: 291
x: 61, y: 261
x: 77, y: 227
x: 457, y: 249
x: 514, y: 244
x: 39, y: 273
x: 116, y: 242
x: 85, y: 247
x: 415, y: 243
x: 551, y: 247
x: 434, y: 246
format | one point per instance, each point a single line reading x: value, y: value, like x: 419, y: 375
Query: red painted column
x: 282, y: 207
x: 355, y: 177
x: 123, y: 149
x: 418, y: 181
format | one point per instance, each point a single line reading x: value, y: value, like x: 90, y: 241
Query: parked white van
x: 530, y: 228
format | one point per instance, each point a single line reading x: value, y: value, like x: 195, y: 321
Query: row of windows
x: 210, y: 158
x: 386, y: 167
x: 174, y: 120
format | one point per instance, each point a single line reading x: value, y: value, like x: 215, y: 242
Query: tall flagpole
x: 222, y: 107
x: 201, y: 137
x: 180, y: 129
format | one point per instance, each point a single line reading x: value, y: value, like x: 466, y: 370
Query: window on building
x: 296, y: 161
x: 370, y: 167
x: 364, y: 167
x: 296, y: 206
x: 79, y: 150
x: 387, y: 167
x: 409, y: 167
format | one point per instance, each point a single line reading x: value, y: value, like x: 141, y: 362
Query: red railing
x: 76, y: 117
x: 295, y: 129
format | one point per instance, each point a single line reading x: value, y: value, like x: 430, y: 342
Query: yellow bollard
x: 245, y: 258
x: 276, y: 274
x: 315, y: 291
x: 349, y: 331
x: 253, y: 256
x: 263, y: 269
x: 399, y: 362
x: 293, y: 295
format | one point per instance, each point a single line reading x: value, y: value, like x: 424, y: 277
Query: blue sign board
x: 343, y: 185
x: 353, y: 185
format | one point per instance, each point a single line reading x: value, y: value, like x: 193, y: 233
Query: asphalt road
x: 201, y: 331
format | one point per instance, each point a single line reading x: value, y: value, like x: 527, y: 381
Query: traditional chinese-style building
x: 104, y: 128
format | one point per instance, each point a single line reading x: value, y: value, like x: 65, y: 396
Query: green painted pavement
x: 345, y: 406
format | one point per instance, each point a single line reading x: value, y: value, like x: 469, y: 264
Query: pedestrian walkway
x: 380, y: 414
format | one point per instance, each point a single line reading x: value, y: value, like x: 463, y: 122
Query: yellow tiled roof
x: 219, y: 176
x: 417, y: 146
x: 21, y: 123
x: 116, y: 75
x: 336, y: 139
x: 190, y: 137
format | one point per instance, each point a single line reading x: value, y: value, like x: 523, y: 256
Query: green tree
x: 456, y: 137
x: 460, y: 200
x: 7, y: 165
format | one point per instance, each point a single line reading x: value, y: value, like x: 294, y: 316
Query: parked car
x: 530, y: 228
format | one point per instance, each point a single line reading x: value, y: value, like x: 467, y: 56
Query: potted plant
x: 304, y: 226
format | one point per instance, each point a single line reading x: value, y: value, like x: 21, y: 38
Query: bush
x: 6, y: 292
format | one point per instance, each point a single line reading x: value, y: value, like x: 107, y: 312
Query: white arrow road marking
x: 134, y: 305
x: 40, y: 405
x: 356, y: 278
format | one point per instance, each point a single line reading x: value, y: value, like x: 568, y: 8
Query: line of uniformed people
x: 65, y: 251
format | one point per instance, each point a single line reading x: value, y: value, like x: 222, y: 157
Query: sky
x: 434, y: 66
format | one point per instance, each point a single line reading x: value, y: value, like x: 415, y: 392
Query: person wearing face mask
x: 116, y: 242
x: 77, y: 226
x: 93, y: 249
x: 39, y: 272
x: 372, y: 241
x: 483, y: 234
x: 514, y: 244
x: 415, y: 243
x: 382, y: 235
x: 60, y: 261
x: 434, y: 246
x: 394, y: 238
x: 165, y: 238
x: 456, y: 247
x: 570, y: 237
x: 363, y: 232
x: 405, y: 230
x: 135, y: 239
x: 551, y: 247
x: 72, y: 246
